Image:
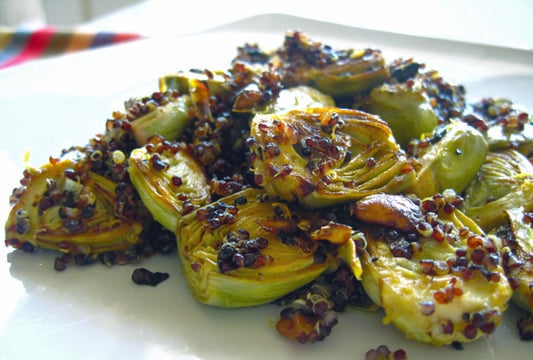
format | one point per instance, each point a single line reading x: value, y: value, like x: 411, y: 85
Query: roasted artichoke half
x: 64, y: 206
x: 504, y: 182
x: 169, y: 180
x: 325, y: 156
x: 347, y: 72
x: 405, y: 107
x: 414, y: 100
x: 438, y: 278
x: 250, y: 248
x: 448, y: 159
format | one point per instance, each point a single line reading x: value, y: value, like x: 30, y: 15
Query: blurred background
x: 31, y: 13
x: 497, y: 22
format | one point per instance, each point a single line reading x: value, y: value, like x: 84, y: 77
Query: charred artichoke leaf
x: 455, y: 153
x: 517, y: 255
x: 65, y: 207
x: 406, y: 108
x: 436, y: 286
x: 164, y: 113
x: 326, y: 156
x: 504, y: 181
x: 249, y: 248
x: 302, y: 61
x: 169, y: 180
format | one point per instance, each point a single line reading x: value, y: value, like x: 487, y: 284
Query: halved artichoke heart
x: 65, y: 207
x: 455, y: 153
x: 504, y: 182
x: 169, y: 181
x: 325, y: 156
x: 249, y: 248
x: 302, y: 61
x: 356, y: 73
x: 438, y: 278
x: 406, y: 108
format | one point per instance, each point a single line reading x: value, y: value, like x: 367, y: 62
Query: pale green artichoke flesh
x: 406, y: 108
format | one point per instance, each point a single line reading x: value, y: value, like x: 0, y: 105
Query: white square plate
x: 96, y: 312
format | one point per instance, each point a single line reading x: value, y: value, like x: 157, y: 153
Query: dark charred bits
x: 490, y: 112
x: 160, y: 239
x: 228, y: 185
x: 438, y: 134
x: 525, y: 328
x: 383, y: 352
x: 23, y: 222
x: 137, y: 108
x: 217, y: 214
x: 238, y: 251
x: 402, y: 70
x: 447, y: 100
x: 457, y: 345
x: 318, y: 304
x: 108, y: 258
x: 297, y: 49
x: 142, y: 276
x: 252, y: 53
x: 315, y: 309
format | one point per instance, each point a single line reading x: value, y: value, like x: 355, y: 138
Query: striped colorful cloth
x: 19, y: 46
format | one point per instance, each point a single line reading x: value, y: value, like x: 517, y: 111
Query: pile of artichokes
x: 307, y: 176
